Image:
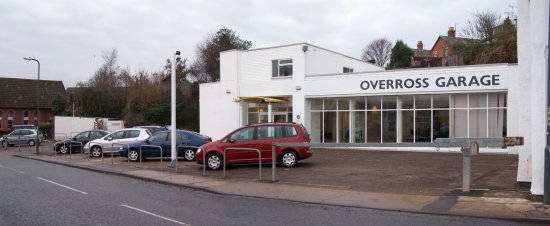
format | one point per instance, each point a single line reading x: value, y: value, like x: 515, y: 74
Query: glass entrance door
x: 280, y: 117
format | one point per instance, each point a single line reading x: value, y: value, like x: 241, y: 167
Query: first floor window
x: 281, y: 68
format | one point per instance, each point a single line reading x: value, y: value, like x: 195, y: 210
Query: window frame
x: 277, y: 64
x: 347, y: 70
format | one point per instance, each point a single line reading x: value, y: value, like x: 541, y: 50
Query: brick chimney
x: 451, y: 33
x: 420, y: 46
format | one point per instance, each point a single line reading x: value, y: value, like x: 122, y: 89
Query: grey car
x: 22, y: 137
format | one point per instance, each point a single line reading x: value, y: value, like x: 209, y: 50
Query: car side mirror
x: 109, y: 138
x: 231, y: 141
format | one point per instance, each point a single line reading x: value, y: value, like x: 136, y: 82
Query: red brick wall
x: 439, y: 48
x: 18, y: 117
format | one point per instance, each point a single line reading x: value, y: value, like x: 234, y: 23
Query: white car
x: 112, y: 142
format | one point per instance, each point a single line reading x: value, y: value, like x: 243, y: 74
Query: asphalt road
x: 38, y: 193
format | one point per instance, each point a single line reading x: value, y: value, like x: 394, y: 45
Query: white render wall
x: 532, y: 80
x: 66, y: 126
x: 322, y: 61
x: 255, y: 77
x: 219, y: 114
x: 247, y: 73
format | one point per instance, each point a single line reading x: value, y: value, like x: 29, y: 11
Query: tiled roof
x: 21, y: 93
x: 457, y: 40
x: 421, y: 53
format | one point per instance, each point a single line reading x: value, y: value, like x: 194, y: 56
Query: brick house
x: 443, y: 48
x: 422, y: 58
x: 506, y: 31
x: 18, y: 101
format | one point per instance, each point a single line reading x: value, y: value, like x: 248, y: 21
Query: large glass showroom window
x: 411, y: 118
x: 258, y: 112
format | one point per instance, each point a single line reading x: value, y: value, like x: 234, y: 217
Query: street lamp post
x: 37, y: 101
x: 173, y: 152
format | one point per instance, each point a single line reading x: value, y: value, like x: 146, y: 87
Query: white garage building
x: 344, y: 100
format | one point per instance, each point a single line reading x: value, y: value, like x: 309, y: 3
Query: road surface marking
x: 12, y: 169
x: 60, y: 185
x: 152, y: 214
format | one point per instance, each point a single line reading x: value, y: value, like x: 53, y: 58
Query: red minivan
x: 261, y: 137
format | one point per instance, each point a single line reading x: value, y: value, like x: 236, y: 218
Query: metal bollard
x: 273, y: 162
x: 155, y: 146
x: 249, y: 149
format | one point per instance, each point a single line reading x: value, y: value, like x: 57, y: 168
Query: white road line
x: 152, y: 214
x: 60, y: 185
x: 12, y: 169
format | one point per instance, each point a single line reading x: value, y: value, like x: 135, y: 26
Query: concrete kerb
x: 334, y: 200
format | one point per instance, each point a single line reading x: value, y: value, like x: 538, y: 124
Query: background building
x: 18, y: 101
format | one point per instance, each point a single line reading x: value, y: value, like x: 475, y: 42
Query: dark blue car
x: 187, y: 144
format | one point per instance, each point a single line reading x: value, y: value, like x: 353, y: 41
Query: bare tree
x: 481, y: 26
x: 379, y: 51
x: 106, y: 76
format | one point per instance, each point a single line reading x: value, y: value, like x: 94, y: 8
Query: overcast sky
x: 69, y: 37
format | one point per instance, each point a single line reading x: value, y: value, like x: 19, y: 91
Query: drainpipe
x: 547, y: 151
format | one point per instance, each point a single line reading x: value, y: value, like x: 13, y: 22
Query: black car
x: 187, y: 144
x: 76, y: 143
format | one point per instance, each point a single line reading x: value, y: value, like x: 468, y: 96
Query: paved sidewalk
x: 403, y: 181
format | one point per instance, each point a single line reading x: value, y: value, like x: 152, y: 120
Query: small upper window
x: 281, y: 68
x: 348, y: 70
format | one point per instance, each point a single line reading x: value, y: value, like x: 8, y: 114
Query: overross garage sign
x: 417, y: 81
x: 441, y: 82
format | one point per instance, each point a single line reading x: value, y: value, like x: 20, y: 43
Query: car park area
x: 416, y: 173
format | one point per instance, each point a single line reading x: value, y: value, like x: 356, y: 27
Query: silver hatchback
x: 22, y: 137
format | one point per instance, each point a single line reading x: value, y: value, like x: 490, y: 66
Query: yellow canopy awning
x: 262, y: 99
